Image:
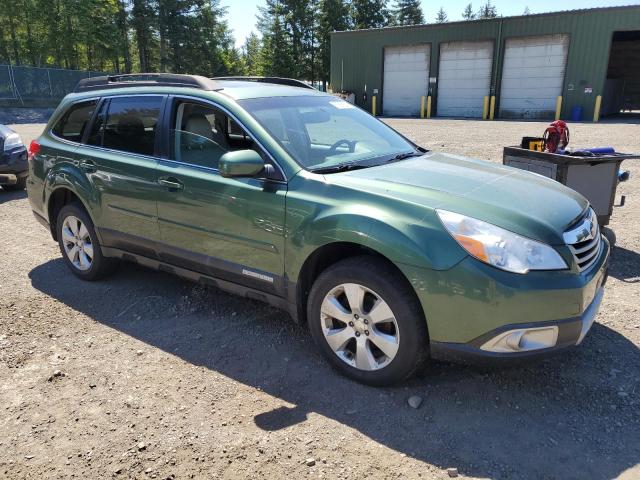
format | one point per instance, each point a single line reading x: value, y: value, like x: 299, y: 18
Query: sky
x: 241, y: 14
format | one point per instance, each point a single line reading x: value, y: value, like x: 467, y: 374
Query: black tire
x: 21, y: 184
x: 101, y: 266
x: 609, y: 235
x: 378, y: 276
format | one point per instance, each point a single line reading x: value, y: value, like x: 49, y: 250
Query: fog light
x: 523, y: 340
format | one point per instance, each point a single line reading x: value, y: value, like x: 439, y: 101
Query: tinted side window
x: 97, y: 130
x: 74, y: 122
x: 201, y: 134
x: 131, y: 124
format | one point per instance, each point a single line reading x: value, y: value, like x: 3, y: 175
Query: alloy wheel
x: 359, y: 327
x: 77, y: 243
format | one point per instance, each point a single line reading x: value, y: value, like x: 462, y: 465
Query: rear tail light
x: 34, y: 149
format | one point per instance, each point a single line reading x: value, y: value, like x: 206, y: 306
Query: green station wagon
x: 391, y: 253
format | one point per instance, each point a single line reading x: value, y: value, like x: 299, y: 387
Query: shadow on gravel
x: 571, y: 416
x: 11, y: 195
x: 625, y: 265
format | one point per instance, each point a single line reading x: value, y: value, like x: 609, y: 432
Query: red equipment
x: 556, y: 135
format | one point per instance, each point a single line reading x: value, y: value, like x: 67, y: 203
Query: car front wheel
x: 367, y: 321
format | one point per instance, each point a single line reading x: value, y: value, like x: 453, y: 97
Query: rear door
x: 230, y: 228
x: 119, y: 157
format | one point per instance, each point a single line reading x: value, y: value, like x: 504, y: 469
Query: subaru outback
x: 391, y: 254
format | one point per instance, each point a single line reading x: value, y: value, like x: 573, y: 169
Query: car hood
x: 522, y: 202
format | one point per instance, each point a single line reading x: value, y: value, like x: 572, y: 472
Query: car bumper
x: 13, y: 165
x: 475, y: 311
x: 570, y: 332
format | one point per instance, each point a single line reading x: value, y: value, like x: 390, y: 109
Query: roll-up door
x: 464, y: 78
x: 406, y: 79
x: 532, y: 76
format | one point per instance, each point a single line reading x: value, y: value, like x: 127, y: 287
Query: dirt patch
x: 145, y: 375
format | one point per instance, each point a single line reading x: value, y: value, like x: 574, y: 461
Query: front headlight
x: 11, y: 141
x: 499, y: 247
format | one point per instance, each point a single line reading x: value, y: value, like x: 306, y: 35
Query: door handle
x: 88, y: 166
x: 171, y: 184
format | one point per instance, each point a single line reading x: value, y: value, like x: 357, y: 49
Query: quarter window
x: 74, y: 122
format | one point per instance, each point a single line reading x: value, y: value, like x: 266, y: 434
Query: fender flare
x: 68, y: 179
x: 417, y: 244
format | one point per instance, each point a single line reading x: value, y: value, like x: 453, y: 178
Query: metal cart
x: 594, y: 177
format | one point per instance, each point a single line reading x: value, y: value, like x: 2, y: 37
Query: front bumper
x: 570, y: 332
x: 470, y: 305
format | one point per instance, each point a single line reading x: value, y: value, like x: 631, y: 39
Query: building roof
x: 486, y: 20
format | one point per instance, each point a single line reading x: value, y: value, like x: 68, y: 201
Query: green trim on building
x: 357, y: 56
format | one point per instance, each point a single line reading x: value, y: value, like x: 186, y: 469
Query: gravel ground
x: 145, y: 375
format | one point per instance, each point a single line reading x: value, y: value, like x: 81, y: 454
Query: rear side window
x: 129, y: 124
x: 75, y: 121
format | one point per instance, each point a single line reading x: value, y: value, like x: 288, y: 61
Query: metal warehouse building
x: 520, y: 65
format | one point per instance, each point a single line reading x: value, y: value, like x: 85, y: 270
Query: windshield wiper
x: 402, y: 156
x: 341, y: 167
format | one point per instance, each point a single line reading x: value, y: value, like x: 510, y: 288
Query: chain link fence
x: 22, y: 86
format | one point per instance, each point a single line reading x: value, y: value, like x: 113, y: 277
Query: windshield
x: 323, y: 132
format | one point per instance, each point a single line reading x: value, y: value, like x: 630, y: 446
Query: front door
x: 119, y: 158
x: 230, y: 228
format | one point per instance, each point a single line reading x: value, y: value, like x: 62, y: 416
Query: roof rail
x: 145, y: 80
x: 277, y: 80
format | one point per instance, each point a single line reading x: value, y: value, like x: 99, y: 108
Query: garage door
x: 464, y: 78
x: 532, y: 76
x: 406, y: 79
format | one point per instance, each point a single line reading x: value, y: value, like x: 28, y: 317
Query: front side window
x: 129, y: 124
x: 74, y: 122
x: 201, y: 134
x: 322, y: 132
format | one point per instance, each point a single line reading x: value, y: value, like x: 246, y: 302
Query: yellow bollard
x: 485, y: 107
x: 596, y: 111
x: 373, y: 105
x: 558, y: 106
x: 492, y: 108
x: 429, y: 106
x: 422, y: 100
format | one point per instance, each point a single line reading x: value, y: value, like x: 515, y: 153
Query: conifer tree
x: 408, y: 12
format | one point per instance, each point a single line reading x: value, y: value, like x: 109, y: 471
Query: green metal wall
x: 357, y: 57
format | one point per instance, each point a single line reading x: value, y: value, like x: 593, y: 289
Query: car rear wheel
x: 367, y: 321
x: 80, y: 246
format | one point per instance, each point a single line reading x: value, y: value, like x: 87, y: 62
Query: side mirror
x: 241, y: 163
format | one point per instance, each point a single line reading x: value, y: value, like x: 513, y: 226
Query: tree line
x: 291, y: 38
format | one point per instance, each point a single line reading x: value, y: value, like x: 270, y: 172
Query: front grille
x: 585, y: 251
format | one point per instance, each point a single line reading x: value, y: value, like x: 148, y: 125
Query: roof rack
x: 277, y: 80
x: 145, y: 80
